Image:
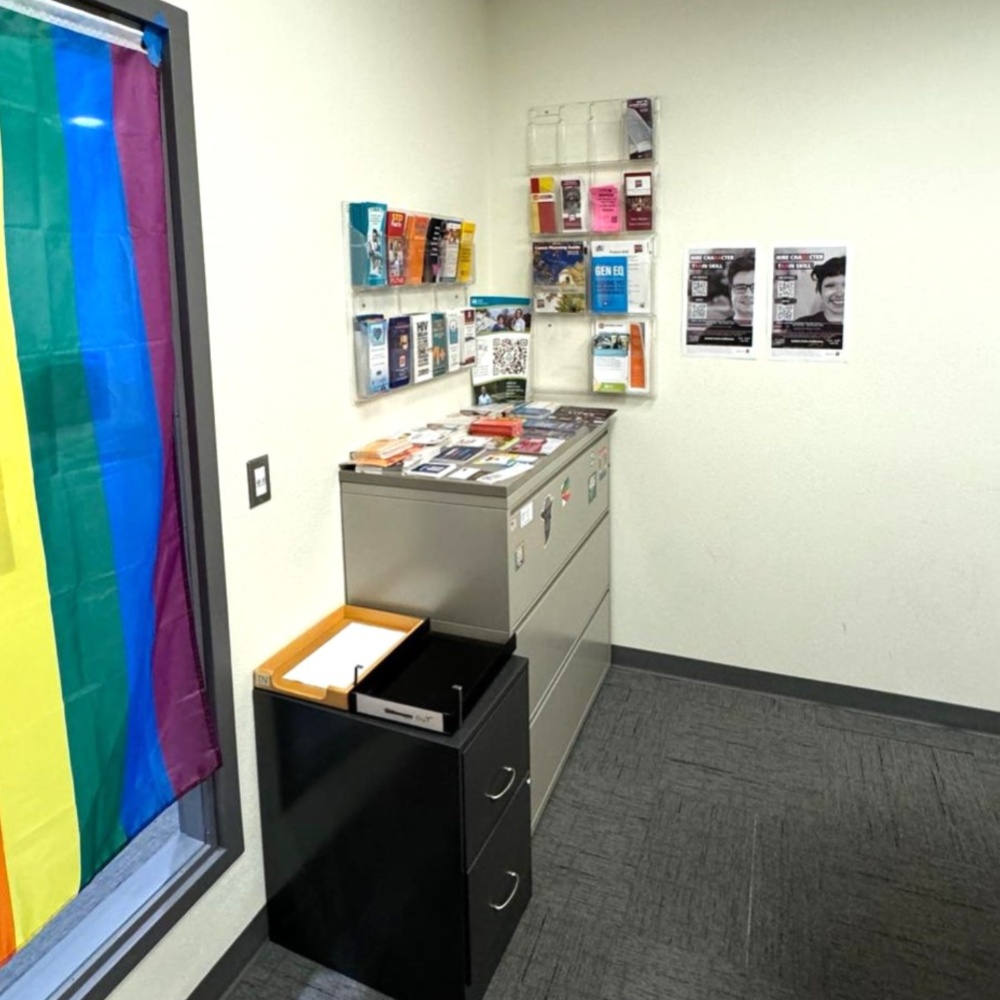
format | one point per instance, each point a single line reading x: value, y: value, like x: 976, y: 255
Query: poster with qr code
x: 809, y: 302
x: 719, y: 300
x: 500, y: 371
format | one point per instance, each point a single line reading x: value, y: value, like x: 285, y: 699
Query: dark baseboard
x: 881, y: 702
x: 229, y: 968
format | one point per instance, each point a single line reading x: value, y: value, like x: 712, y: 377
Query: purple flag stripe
x: 188, y: 741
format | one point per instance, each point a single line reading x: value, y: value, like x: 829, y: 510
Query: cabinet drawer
x: 559, y: 718
x: 494, y: 766
x: 547, y: 635
x: 552, y: 523
x: 499, y: 889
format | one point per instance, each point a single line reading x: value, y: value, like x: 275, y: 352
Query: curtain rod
x: 77, y: 20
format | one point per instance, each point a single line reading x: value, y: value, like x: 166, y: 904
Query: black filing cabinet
x: 398, y: 856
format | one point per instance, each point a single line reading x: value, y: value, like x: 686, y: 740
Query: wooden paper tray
x: 272, y: 674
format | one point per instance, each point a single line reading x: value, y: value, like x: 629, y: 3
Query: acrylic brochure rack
x: 593, y: 204
x: 409, y: 274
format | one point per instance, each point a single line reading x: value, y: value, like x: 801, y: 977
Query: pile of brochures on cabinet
x: 488, y: 444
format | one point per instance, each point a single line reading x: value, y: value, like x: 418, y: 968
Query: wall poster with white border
x: 719, y: 292
x: 810, y: 294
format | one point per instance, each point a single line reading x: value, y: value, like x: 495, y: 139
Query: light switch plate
x: 259, y: 480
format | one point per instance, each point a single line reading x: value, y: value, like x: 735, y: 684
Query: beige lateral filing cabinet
x: 530, y: 556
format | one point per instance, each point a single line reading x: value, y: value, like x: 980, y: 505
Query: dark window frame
x: 212, y: 814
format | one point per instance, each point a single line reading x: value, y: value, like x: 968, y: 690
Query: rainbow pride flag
x: 103, y: 714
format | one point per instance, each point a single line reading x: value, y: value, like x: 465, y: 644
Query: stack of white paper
x: 357, y: 644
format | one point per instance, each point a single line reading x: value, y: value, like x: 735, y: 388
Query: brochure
x: 610, y: 357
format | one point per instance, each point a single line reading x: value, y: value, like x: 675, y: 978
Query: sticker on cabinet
x: 527, y: 514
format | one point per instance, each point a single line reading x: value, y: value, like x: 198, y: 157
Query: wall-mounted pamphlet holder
x: 328, y: 661
x: 410, y: 273
x: 585, y: 133
x: 593, y: 203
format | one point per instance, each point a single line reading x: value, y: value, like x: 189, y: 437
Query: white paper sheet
x: 332, y: 665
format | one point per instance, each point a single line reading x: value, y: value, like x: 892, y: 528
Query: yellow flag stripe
x: 41, y: 839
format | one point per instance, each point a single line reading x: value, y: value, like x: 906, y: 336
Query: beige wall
x: 300, y: 106
x: 836, y: 522
x: 828, y: 521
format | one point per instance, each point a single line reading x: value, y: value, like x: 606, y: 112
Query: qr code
x: 784, y: 313
x: 785, y: 290
x: 698, y: 310
x: 510, y: 357
x: 699, y: 289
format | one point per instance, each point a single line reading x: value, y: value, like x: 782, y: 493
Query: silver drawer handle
x: 499, y: 795
x: 513, y: 893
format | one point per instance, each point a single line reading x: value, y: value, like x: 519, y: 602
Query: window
x: 152, y: 883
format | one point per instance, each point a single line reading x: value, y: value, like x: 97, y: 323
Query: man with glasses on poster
x: 738, y: 328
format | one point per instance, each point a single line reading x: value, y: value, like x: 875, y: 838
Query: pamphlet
x: 500, y: 374
x: 543, y: 204
x: 432, y: 470
x: 608, y: 283
x: 371, y: 354
x: 559, y: 276
x: 367, y: 225
x: 605, y: 208
x: 619, y: 357
x: 637, y: 256
x: 638, y: 200
x: 466, y: 251
x: 396, y: 247
x: 422, y: 358
x: 502, y: 475
x: 639, y: 127
x: 572, y: 189
x: 500, y: 371
x: 450, y: 240
x: 610, y: 357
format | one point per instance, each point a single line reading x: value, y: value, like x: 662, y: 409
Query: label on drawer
x: 380, y: 708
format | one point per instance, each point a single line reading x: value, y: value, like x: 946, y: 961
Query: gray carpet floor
x: 705, y: 843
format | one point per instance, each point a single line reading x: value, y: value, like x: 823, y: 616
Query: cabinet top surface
x: 587, y: 436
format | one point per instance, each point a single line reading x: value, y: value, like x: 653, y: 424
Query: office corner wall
x: 827, y: 521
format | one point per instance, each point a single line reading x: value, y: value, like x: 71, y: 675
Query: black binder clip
x: 461, y: 704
